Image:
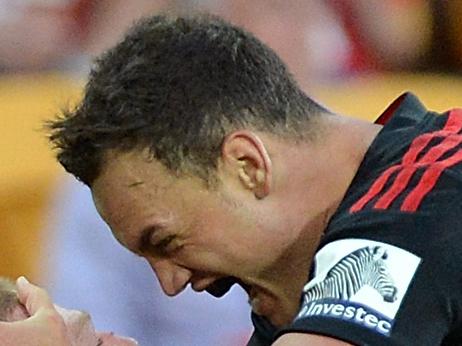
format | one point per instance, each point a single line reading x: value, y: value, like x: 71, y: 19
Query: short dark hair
x: 8, y: 299
x: 178, y: 85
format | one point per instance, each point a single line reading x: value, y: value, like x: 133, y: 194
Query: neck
x: 313, y: 179
x: 346, y: 145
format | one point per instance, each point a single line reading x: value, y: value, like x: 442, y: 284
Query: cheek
x: 226, y: 240
x: 218, y: 231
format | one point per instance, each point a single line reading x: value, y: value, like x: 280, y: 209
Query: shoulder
x: 300, y: 339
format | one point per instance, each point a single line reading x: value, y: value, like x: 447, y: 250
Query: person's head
x: 10, y: 308
x: 172, y: 137
x: 177, y: 86
x: 79, y: 326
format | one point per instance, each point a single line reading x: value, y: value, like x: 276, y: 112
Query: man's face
x: 209, y: 238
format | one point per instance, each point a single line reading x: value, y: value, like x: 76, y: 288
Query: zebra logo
x: 359, y: 281
x: 365, y: 266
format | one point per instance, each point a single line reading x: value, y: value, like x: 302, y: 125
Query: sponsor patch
x: 359, y: 281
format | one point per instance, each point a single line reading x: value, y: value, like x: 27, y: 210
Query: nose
x: 172, y: 277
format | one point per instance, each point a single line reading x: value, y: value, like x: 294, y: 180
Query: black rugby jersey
x: 388, y: 270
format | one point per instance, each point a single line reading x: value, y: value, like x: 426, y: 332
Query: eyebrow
x: 136, y: 183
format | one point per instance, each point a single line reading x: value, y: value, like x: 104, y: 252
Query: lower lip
x: 259, y: 304
x: 254, y: 303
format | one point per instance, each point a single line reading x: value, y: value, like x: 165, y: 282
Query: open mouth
x: 221, y: 286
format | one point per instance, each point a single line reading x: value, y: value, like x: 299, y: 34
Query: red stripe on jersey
x: 403, y: 178
x: 375, y: 189
x: 418, y: 144
x: 428, y: 182
x: 400, y: 183
x: 433, y: 172
x: 410, y: 164
x: 454, y: 122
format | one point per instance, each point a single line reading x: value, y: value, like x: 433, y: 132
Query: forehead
x: 131, y: 171
x: 135, y: 192
x: 130, y: 189
x: 130, y: 165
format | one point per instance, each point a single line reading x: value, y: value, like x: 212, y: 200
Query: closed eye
x: 145, y: 242
x: 164, y: 246
x: 155, y: 241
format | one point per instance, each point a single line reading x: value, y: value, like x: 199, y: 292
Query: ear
x: 245, y: 156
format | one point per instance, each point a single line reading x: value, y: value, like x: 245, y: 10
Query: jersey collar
x: 402, y: 104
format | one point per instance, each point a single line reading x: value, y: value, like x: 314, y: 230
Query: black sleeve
x: 264, y: 332
x: 258, y: 340
x: 417, y: 298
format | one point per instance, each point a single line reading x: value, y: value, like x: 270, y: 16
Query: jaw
x: 278, y: 296
x: 275, y: 290
x: 279, y: 309
x: 277, y: 305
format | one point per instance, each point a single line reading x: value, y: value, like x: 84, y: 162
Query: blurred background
x: 355, y: 56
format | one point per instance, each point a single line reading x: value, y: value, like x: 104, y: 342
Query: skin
x: 261, y: 223
x: 297, y: 339
x: 51, y: 324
